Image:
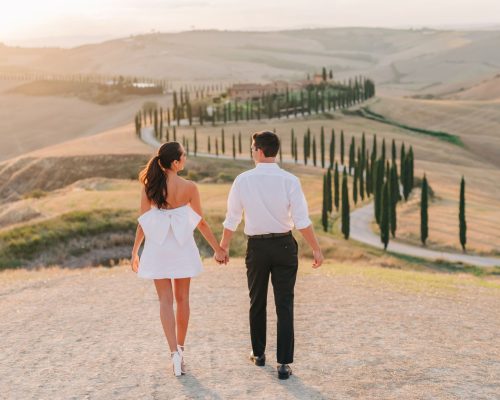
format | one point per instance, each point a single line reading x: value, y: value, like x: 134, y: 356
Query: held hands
x: 221, y: 256
x: 318, y: 258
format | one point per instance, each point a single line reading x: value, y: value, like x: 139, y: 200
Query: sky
x: 67, y: 22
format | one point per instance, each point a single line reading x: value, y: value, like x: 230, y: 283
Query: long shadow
x: 194, y: 389
x: 295, y: 386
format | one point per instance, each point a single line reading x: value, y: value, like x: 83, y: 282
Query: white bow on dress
x: 156, y: 223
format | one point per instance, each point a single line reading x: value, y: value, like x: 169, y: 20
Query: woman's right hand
x: 221, y: 256
x: 134, y: 262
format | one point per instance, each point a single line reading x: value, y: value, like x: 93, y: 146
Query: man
x: 273, y: 203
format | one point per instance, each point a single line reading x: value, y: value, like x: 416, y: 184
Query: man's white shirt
x: 271, y: 198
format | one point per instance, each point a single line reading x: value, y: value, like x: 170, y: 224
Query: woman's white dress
x: 169, y: 249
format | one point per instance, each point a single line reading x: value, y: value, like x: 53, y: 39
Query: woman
x: 170, y: 210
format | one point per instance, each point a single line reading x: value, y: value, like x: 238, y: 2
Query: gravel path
x: 95, y: 333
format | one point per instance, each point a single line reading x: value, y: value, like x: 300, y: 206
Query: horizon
x: 67, y: 24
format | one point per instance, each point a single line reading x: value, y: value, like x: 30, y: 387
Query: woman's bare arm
x: 203, y: 226
x: 139, y: 233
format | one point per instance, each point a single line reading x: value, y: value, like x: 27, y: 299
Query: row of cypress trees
x: 315, y: 98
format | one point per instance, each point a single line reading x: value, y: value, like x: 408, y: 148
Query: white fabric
x: 271, y: 198
x: 169, y: 248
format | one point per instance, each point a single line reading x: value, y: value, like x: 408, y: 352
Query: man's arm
x: 301, y: 220
x: 310, y: 237
x: 233, y: 216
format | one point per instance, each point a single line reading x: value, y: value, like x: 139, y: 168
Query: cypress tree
x: 217, y: 147
x: 324, y: 211
x: 402, y: 159
x: 345, y: 206
x: 361, y: 174
x: 329, y: 190
x: 378, y: 181
x: 352, y: 155
x: 209, y: 147
x: 332, y: 148
x: 383, y: 150
x: 374, y: 151
x: 394, y: 192
x: 393, y: 151
x: 355, y: 185
x: 363, y: 146
x: 314, y: 150
x: 342, y: 147
x: 223, y: 142
x: 200, y: 112
x: 322, y: 146
x: 384, y: 217
x: 239, y: 143
x: 336, y: 187
x: 424, y: 216
x: 195, y: 142
x: 292, y: 141
x: 296, y: 151
x: 305, y: 149
x: 410, y: 169
x: 234, y: 146
x: 461, y: 215
x: 175, y: 134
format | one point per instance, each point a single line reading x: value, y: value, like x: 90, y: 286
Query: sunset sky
x: 36, y: 22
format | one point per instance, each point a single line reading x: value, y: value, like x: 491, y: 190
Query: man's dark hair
x: 268, y: 142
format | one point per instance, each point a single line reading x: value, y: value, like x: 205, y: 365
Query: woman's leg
x: 165, y: 296
x: 181, y: 291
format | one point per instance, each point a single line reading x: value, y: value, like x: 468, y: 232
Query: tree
x: 342, y: 147
x: 292, y: 141
x: 217, y: 147
x: 378, y: 181
x: 223, y: 142
x: 234, y: 146
x: 324, y: 208
x: 322, y: 146
x: 329, y: 202
x: 324, y: 74
x: 332, y: 148
x: 209, y: 148
x: 314, y: 150
x: 336, y: 186
x: 355, y: 185
x: 305, y: 149
x: 384, y: 217
x: 424, y: 217
x: 239, y: 143
x: 345, y: 206
x: 195, y: 142
x: 394, y: 195
x: 461, y: 215
x: 351, y: 155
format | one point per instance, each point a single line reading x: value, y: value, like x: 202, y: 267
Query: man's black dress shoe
x: 260, y: 361
x: 284, y: 371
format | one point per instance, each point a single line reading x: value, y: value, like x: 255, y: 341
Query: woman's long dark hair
x: 153, y: 176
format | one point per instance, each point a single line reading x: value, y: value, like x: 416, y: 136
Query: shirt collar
x: 267, y: 165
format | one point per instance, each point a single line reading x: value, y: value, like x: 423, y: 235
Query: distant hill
x: 489, y: 89
x: 402, y: 62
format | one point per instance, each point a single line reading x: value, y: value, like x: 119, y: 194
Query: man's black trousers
x: 276, y: 257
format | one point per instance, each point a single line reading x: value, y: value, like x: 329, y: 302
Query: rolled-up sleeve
x: 234, y: 208
x: 298, y: 206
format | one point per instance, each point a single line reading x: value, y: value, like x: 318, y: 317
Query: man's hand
x: 318, y: 258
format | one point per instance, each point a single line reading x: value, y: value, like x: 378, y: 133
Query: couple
x: 273, y: 203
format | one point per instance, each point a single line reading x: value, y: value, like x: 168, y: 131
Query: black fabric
x: 275, y: 257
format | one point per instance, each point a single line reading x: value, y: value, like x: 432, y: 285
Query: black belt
x: 270, y: 235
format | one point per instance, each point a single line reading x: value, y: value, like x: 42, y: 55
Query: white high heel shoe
x: 176, y: 363
x: 180, y: 350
